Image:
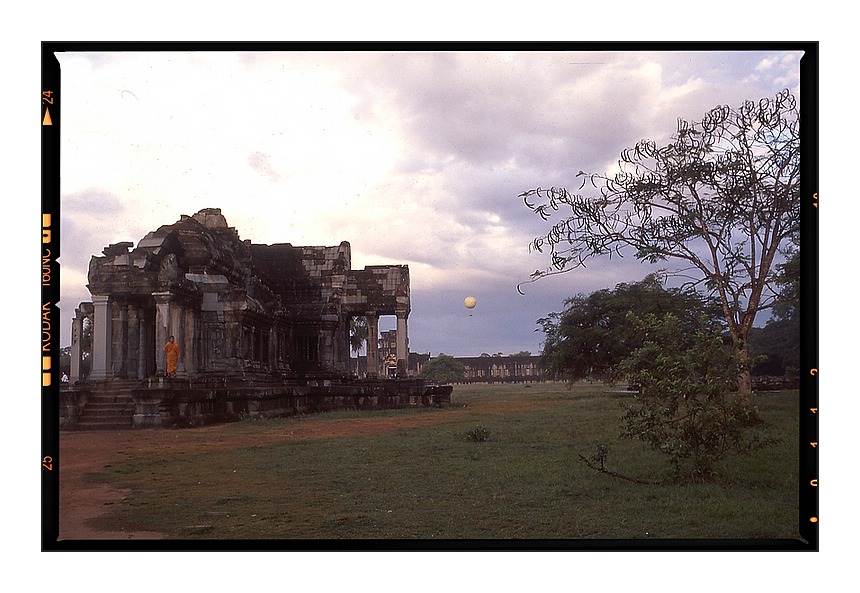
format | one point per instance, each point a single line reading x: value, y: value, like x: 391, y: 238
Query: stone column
x: 330, y: 347
x: 189, y: 350
x: 372, y: 343
x: 402, y: 345
x: 77, y: 336
x: 133, y: 341
x: 163, y: 330
x: 179, y: 335
x: 143, y: 351
x: 101, y: 353
x: 120, y: 349
x: 271, y: 360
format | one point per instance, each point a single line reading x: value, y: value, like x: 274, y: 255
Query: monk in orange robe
x: 171, y: 351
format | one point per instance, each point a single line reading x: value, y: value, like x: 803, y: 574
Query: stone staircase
x: 110, y: 408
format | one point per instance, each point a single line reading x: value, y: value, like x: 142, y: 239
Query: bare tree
x: 722, y: 197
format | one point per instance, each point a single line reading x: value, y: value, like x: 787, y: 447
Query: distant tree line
x: 595, y: 333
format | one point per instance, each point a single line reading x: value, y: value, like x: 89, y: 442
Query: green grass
x: 524, y: 481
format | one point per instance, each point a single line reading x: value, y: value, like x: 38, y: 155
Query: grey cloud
x: 95, y: 59
x: 261, y: 163
x: 554, y: 111
x: 454, y: 107
x: 88, y: 220
x: 92, y: 202
x: 464, y: 113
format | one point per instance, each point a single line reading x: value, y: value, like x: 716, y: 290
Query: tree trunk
x: 744, y: 374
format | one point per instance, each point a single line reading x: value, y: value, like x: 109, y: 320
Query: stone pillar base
x: 146, y: 420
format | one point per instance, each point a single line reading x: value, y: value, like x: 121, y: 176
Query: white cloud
x: 767, y: 63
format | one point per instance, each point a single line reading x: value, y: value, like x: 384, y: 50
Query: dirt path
x: 80, y: 501
x: 86, y: 452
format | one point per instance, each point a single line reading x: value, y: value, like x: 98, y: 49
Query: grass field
x: 416, y: 474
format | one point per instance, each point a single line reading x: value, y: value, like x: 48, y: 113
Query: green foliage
x: 593, y: 334
x: 478, y: 434
x: 443, y: 369
x: 86, y: 348
x: 787, y: 305
x: 687, y: 408
x: 601, y: 453
x: 66, y: 360
x: 357, y: 333
x: 778, y: 342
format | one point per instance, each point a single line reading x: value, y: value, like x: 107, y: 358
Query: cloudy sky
x: 415, y: 158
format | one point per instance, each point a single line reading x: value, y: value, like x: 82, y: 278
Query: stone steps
x: 112, y: 423
x: 110, y: 409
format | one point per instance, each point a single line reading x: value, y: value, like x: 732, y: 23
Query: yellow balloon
x: 470, y: 302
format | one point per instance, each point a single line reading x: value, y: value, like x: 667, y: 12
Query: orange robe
x: 171, y: 349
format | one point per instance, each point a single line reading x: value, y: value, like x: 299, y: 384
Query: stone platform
x: 162, y: 402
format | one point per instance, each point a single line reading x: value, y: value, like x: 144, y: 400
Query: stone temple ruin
x: 262, y: 330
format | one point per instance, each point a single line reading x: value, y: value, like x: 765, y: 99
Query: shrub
x: 443, y: 369
x: 478, y: 434
x: 687, y: 408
